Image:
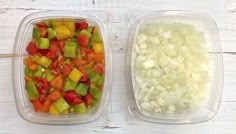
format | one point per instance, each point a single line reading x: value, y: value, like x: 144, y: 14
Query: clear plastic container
x: 201, y: 22
x: 24, y: 33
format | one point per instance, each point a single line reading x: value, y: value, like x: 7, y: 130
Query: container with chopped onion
x: 174, y: 67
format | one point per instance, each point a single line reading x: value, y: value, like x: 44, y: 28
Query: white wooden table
x: 224, y: 13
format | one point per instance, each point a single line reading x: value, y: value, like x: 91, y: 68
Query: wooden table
x: 223, y: 12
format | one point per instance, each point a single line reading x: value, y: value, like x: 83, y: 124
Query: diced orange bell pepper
x: 79, y: 62
x: 46, y: 106
x: 54, y: 96
x: 28, y: 62
x: 33, y: 67
x: 57, y: 82
x: 37, y: 105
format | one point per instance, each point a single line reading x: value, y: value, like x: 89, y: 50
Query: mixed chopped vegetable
x: 170, y: 68
x: 64, y: 71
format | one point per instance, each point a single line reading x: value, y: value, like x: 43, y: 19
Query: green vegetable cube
x: 69, y: 85
x: 93, y: 103
x: 28, y: 72
x: 31, y: 90
x: 43, y: 43
x: 44, y: 61
x: 80, y: 108
x: 39, y: 71
x: 85, y: 32
x: 49, y: 75
x: 70, y: 49
x: 95, y: 93
x: 51, y: 33
x: 36, y: 33
x: 48, y: 23
x: 61, y: 105
x: 81, y: 89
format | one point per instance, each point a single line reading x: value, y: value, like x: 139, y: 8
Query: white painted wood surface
x: 224, y: 13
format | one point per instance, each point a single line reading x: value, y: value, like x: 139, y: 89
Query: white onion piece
x: 170, y: 66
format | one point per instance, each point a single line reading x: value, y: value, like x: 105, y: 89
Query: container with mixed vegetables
x: 169, y: 68
x: 64, y: 69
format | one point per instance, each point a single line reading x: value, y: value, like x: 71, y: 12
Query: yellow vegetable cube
x: 70, y: 24
x: 53, y: 110
x: 97, y: 47
x: 75, y: 75
x: 62, y: 32
x: 56, y: 23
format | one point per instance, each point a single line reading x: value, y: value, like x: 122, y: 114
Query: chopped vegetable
x: 31, y: 90
x: 75, y: 75
x: 170, y: 63
x: 64, y: 71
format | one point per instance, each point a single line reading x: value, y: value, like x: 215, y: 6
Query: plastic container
x: 202, y: 22
x: 24, y: 33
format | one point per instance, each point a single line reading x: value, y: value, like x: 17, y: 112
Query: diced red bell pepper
x: 72, y: 98
x: 41, y: 85
x: 61, y: 60
x: 61, y: 45
x: 42, y: 98
x: 84, y: 77
x: 66, y: 70
x: 54, y: 49
x: 99, y: 68
x: 81, y: 25
x: 42, y: 29
x: 87, y: 99
x: 37, y: 105
x: 31, y: 48
x: 82, y: 40
x: 42, y: 52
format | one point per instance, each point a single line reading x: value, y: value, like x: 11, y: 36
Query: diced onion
x: 170, y: 67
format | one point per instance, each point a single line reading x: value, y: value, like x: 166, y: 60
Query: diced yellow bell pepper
x: 56, y: 23
x: 97, y: 47
x: 75, y: 75
x: 70, y: 24
x: 62, y: 32
x: 53, y: 110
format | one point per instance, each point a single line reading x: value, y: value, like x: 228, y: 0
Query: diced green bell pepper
x: 49, y: 76
x: 93, y: 103
x: 69, y: 85
x: 44, y: 61
x: 95, y: 93
x: 70, y: 49
x: 48, y: 23
x: 31, y: 90
x: 100, y: 81
x: 39, y: 71
x: 51, y: 33
x: 96, y: 37
x: 61, y: 105
x: 42, y: 43
x: 36, y: 33
x: 29, y: 72
x: 79, y: 108
x: 81, y: 89
x: 93, y: 76
x: 85, y: 32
